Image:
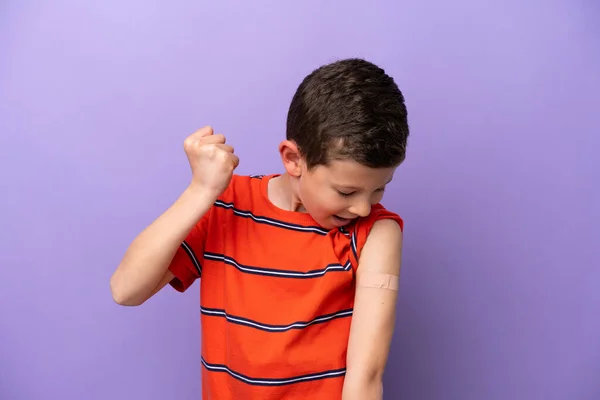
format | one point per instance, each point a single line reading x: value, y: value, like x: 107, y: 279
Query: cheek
x: 377, y: 197
x: 321, y: 200
x: 330, y: 202
x: 315, y: 197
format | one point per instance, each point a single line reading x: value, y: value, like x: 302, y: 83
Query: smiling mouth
x: 342, y: 220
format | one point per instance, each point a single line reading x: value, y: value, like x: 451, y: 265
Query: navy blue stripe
x: 270, y: 221
x: 215, y: 312
x: 344, y: 231
x: 353, y: 245
x: 281, y: 273
x: 336, y: 373
x: 193, y: 258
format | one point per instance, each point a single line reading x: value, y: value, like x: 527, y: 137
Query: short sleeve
x: 361, y: 229
x: 186, y: 264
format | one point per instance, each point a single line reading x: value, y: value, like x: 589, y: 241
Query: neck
x: 283, y: 191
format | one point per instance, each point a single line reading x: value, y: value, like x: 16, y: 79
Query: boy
x: 299, y: 270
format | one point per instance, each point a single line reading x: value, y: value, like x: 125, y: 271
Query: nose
x: 362, y: 209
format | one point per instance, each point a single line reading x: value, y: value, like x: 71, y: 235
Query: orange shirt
x: 276, y: 296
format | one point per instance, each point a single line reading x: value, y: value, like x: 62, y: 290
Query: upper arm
x: 186, y: 265
x: 374, y: 308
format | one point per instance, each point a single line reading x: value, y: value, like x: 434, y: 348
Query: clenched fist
x: 212, y: 161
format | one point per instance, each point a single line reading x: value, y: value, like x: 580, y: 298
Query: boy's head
x: 346, y: 129
x: 349, y: 110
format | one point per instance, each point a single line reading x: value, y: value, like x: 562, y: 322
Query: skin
x: 333, y: 195
x: 346, y: 189
x: 143, y: 271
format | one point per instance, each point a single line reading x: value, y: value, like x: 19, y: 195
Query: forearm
x: 148, y: 257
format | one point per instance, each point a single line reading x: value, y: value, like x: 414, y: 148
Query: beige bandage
x: 378, y: 280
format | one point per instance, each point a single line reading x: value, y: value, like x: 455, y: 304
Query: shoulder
x: 380, y: 224
x: 386, y: 227
x: 384, y: 233
x: 240, y: 186
x: 381, y: 217
x: 382, y: 250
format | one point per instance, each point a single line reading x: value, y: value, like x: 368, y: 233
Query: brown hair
x: 350, y: 109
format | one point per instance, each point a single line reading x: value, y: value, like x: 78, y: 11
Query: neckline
x: 285, y: 215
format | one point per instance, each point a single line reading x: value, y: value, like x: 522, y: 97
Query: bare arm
x: 374, y: 314
x: 144, y: 268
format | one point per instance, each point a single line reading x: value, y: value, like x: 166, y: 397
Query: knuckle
x: 222, y: 155
x: 209, y: 149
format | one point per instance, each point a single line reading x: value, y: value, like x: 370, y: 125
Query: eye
x: 345, y: 194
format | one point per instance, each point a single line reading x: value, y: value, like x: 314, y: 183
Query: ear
x: 291, y: 158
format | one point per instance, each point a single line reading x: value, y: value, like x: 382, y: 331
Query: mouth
x: 342, y: 221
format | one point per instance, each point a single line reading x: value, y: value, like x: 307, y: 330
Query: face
x: 336, y: 194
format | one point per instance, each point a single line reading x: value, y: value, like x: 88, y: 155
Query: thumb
x: 236, y: 160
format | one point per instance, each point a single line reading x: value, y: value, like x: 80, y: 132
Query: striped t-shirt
x: 276, y: 296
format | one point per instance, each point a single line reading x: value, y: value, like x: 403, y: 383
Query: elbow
x: 366, y: 384
x: 121, y: 295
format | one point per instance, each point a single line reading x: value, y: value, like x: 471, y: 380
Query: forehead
x: 352, y: 174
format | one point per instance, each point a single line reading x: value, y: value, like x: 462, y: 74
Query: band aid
x: 378, y: 280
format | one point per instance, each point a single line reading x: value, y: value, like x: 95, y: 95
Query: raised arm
x: 374, y: 312
x: 143, y: 270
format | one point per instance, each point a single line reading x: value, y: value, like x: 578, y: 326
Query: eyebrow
x: 356, y: 188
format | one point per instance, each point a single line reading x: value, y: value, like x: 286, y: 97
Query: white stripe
x: 279, y: 328
x: 192, y: 256
x: 272, y: 222
x: 218, y: 257
x: 273, y: 381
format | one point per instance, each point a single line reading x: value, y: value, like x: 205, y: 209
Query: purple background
x: 500, y: 293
